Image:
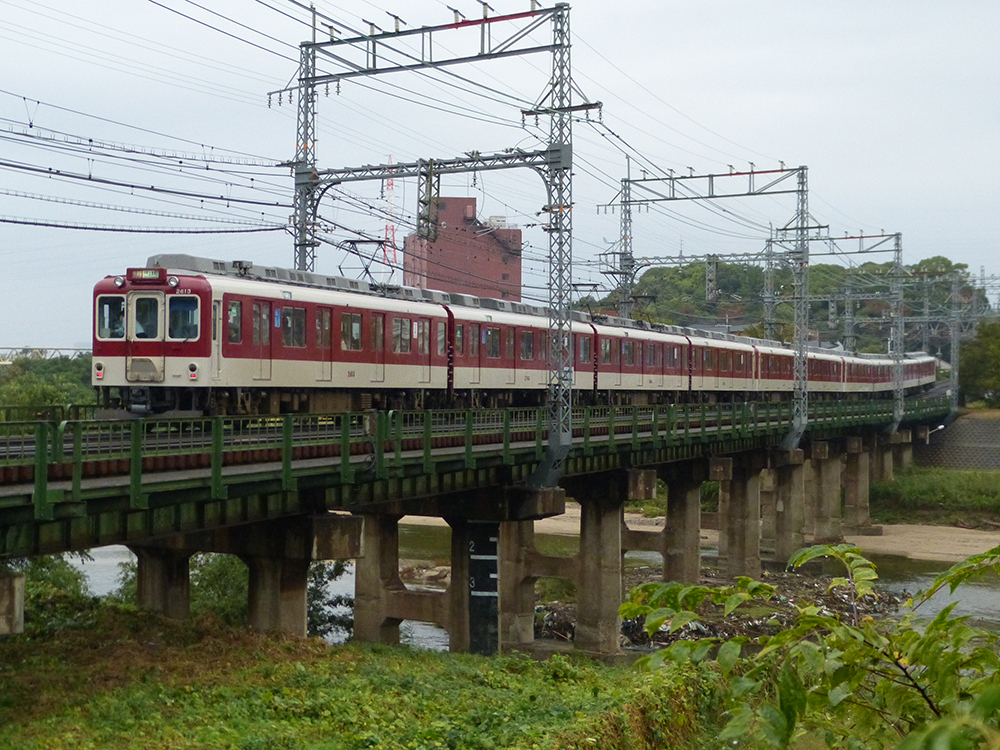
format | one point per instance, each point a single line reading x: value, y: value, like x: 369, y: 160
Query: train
x: 191, y: 336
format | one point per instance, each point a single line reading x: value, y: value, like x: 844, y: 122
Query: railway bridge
x: 281, y: 491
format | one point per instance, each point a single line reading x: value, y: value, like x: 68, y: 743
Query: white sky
x: 892, y: 105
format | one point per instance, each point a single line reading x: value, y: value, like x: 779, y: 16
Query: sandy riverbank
x: 938, y: 543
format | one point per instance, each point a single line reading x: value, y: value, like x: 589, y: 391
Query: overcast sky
x: 892, y: 105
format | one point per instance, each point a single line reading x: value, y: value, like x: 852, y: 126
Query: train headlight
x: 119, y: 281
x: 173, y: 281
x: 193, y: 371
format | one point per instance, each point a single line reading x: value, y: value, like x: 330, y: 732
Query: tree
x: 979, y: 373
x: 33, y: 382
x: 855, y: 682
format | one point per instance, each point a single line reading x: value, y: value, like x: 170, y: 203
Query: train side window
x: 510, y: 343
x: 491, y: 338
x: 182, y: 317
x: 584, y: 349
x: 650, y: 354
x: 527, y: 345
x: 459, y: 340
x: 378, y: 333
x: 673, y: 354
x: 543, y: 339
x: 708, y: 359
x: 474, y: 340
x: 605, y: 351
x: 726, y: 361
x: 441, y: 338
x: 110, y: 317
x: 400, y: 335
x: 293, y: 326
x: 234, y: 321
x: 324, y: 338
x: 350, y: 332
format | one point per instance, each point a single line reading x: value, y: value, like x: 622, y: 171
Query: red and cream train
x: 188, y: 335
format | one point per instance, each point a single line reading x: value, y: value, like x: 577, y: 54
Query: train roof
x: 177, y: 262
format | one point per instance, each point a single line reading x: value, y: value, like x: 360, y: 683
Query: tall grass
x: 928, y: 489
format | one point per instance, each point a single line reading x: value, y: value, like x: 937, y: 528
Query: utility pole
x: 800, y: 283
x: 956, y: 332
x: 626, y: 273
x: 897, y: 344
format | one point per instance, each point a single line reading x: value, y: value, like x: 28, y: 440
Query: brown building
x: 468, y: 257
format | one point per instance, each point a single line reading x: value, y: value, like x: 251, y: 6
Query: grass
x: 134, y: 679
x: 938, y: 495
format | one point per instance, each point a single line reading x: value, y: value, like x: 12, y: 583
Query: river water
x: 980, y: 600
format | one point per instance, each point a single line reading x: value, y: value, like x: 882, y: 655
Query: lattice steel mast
x: 553, y: 163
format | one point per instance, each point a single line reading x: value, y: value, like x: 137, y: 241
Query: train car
x: 193, y: 336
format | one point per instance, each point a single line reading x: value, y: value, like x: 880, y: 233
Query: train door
x: 475, y: 366
x: 510, y: 355
x: 423, y: 334
x: 261, y: 341
x: 216, y: 339
x: 324, y: 343
x: 144, y: 338
x: 378, y: 348
x: 617, y: 350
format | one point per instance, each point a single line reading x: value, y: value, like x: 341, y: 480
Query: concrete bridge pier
x: 681, y: 539
x: 789, y: 505
x: 739, y: 511
x: 856, y: 476
x: 826, y: 466
x: 902, y: 451
x: 599, y: 563
x: 491, y: 550
x: 277, y: 553
x: 11, y: 603
x: 163, y: 580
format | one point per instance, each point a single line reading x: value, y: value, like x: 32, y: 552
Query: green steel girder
x: 383, y: 458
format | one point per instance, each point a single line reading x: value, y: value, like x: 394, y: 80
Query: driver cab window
x: 110, y: 317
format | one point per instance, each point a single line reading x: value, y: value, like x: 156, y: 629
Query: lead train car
x: 188, y: 335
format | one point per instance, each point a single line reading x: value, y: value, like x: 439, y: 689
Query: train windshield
x: 183, y: 318
x: 111, y: 317
x: 147, y: 318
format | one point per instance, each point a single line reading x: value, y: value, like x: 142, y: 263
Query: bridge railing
x: 46, y: 412
x: 47, y: 452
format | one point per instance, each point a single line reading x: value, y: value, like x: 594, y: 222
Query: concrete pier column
x: 768, y: 510
x: 163, y: 580
x: 517, y: 586
x: 721, y: 517
x: 11, y: 603
x: 741, y: 523
x: 681, y: 539
x: 873, y: 447
x: 887, y: 448
x: 790, y: 502
x: 826, y: 525
x: 856, y: 476
x: 810, y: 499
x: 376, y: 576
x: 599, y: 576
x: 902, y: 452
x: 277, y: 595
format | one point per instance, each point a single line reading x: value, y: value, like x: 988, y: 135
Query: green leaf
x: 735, y: 600
x: 987, y: 705
x: 729, y: 654
x: 838, y: 694
x: 681, y: 619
